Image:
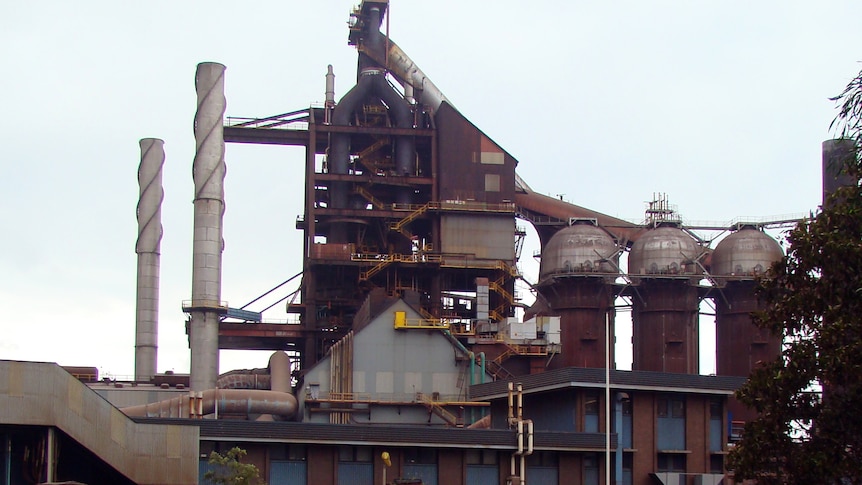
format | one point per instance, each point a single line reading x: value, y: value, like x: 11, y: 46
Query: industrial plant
x: 411, y: 357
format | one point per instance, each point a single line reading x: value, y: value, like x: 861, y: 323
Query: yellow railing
x: 402, y: 322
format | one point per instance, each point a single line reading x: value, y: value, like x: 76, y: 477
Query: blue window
x: 591, y: 412
x: 543, y: 468
x: 715, y: 427
x: 482, y: 467
x: 355, y: 465
x: 421, y: 463
x: 671, y: 423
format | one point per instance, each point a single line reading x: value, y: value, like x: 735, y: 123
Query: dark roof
x: 620, y: 379
x: 352, y: 434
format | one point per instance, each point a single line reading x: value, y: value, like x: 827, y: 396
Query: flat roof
x: 384, y: 435
x: 578, y: 377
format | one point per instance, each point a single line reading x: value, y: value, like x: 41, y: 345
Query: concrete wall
x: 42, y: 394
x: 136, y: 395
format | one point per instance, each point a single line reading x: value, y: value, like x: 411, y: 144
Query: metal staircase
x: 377, y: 203
x: 437, y: 408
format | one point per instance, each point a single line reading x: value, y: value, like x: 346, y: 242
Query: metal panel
x: 355, y: 473
x: 282, y: 472
x: 484, y: 236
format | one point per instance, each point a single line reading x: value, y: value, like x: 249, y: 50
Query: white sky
x: 720, y: 104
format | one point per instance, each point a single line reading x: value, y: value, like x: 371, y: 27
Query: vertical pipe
x: 50, y: 455
x: 510, y: 396
x: 149, y: 214
x: 330, y: 95
x: 523, y: 470
x: 520, y: 402
x: 7, y: 459
x: 208, y: 171
x: 472, y: 357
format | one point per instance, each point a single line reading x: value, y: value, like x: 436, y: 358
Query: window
x: 482, y: 467
x: 355, y: 453
x: 355, y: 465
x: 543, y: 467
x: 591, y: 469
x: 671, y: 462
x: 288, y: 464
x: 670, y: 408
x: 628, y: 424
x: 492, y: 182
x: 670, y: 422
x: 421, y: 463
x: 715, y: 427
x: 591, y: 412
x: 287, y: 452
x: 482, y: 457
x: 716, y: 464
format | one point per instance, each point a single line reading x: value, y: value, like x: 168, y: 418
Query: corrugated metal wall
x: 356, y: 473
x: 483, y: 474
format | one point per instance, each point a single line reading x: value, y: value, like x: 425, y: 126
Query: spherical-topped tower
x: 737, y: 260
x: 662, y: 263
x: 578, y: 265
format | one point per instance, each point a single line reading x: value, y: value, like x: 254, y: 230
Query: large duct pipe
x: 404, y: 69
x: 279, y: 370
x: 372, y: 83
x: 230, y: 401
x: 149, y: 213
x: 208, y: 172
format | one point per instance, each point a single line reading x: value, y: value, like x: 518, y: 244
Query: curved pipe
x: 249, y: 380
x: 371, y: 82
x: 403, y: 68
x: 229, y: 401
x: 549, y: 206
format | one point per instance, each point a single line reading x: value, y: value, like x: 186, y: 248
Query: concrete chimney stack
x: 208, y: 171
x: 149, y: 213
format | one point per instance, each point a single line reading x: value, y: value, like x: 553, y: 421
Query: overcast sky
x: 722, y: 105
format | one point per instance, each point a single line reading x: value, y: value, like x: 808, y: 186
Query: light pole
x: 607, y: 398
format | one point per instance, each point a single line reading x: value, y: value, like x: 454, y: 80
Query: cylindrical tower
x: 836, y: 154
x: 578, y: 265
x: 147, y: 247
x: 665, y: 308
x: 208, y: 172
x: 737, y: 260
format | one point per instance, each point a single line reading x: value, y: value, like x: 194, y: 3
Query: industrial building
x: 412, y: 339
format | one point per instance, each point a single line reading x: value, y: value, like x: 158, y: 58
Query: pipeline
x: 226, y: 401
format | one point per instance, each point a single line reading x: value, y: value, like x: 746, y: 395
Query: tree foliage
x: 809, y: 401
x: 228, y: 470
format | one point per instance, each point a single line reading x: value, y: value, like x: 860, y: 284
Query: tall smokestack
x: 208, y: 171
x: 149, y: 213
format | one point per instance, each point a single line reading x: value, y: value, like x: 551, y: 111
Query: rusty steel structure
x: 664, y: 264
x: 404, y: 196
x: 579, y: 266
